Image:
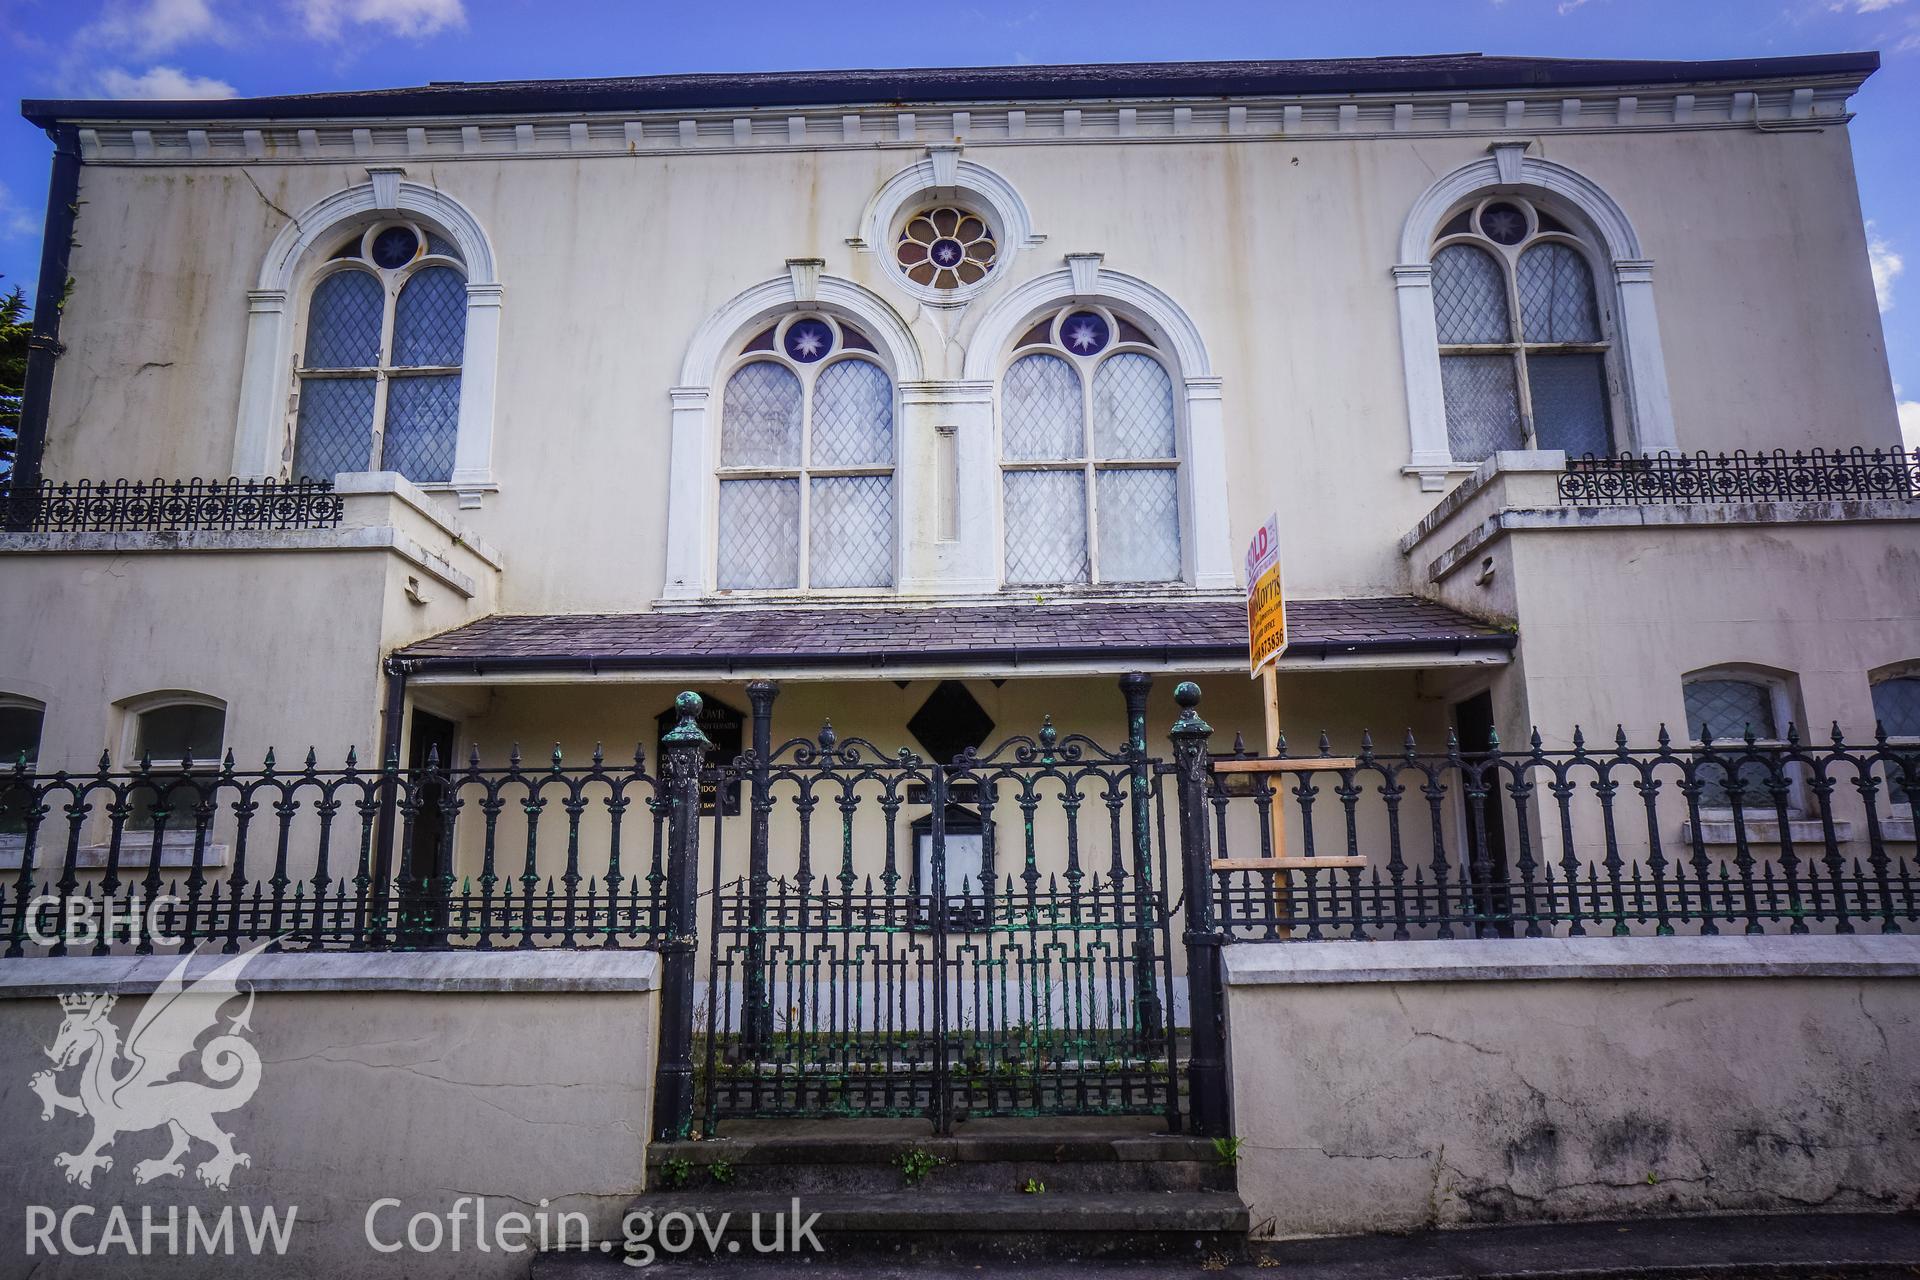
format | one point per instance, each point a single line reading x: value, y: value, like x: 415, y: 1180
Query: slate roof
x: 969, y: 84
x: 906, y: 635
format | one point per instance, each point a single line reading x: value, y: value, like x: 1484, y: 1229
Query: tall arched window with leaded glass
x: 1525, y: 340
x: 805, y: 473
x: 1089, y: 455
x: 380, y: 357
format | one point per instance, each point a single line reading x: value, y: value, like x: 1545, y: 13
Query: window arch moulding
x: 261, y: 433
x: 1627, y: 278
x: 694, y: 440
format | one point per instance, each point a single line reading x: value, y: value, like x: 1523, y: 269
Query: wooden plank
x: 1291, y: 764
x: 1288, y: 864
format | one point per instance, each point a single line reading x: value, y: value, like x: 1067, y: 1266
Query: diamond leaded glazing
x: 1483, y: 406
x: 1570, y: 403
x: 852, y: 416
x: 430, y: 319
x: 1040, y: 410
x: 1729, y: 708
x: 1896, y: 706
x: 1139, y: 523
x: 759, y: 534
x: 343, y: 321
x: 1132, y: 408
x: 341, y: 425
x: 1469, y: 296
x: 760, y: 417
x: 850, y: 531
x: 1556, y: 295
x: 335, y: 429
x: 803, y: 419
x: 423, y: 424
x: 1046, y: 527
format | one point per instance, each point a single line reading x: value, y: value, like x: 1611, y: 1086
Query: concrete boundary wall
x: 433, y: 1079
x: 1386, y: 1086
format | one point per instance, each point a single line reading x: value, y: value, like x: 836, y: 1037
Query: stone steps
x: 941, y: 1226
x: 1004, y: 1189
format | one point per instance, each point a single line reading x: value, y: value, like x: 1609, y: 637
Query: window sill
x: 1718, y: 831
x: 136, y: 854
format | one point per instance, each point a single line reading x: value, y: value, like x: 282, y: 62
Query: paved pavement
x: 1777, y: 1247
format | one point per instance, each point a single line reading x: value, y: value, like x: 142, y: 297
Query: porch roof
x: 1207, y: 632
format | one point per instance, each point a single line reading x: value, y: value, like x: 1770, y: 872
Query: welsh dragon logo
x: 131, y: 1088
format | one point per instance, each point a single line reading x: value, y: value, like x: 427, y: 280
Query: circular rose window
x: 945, y: 248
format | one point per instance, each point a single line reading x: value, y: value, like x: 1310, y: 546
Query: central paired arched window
x: 1089, y: 455
x: 1523, y: 334
x: 381, y: 356
x: 806, y: 462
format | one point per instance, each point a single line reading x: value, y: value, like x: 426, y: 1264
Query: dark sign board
x: 723, y: 726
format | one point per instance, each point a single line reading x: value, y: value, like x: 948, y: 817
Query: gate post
x: 1206, y: 1061
x: 1134, y: 687
x: 756, y: 1012
x: 686, y: 752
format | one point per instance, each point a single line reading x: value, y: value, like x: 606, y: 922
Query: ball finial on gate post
x: 688, y: 704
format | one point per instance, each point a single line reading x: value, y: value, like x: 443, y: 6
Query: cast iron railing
x: 989, y: 936
x: 179, y: 854
x: 1813, y: 475
x: 167, y: 506
x: 1740, y: 837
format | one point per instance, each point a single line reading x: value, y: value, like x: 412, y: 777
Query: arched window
x: 21, y: 719
x: 1089, y: 455
x: 1524, y: 338
x: 381, y: 355
x: 182, y: 735
x: 1727, y: 705
x: 806, y: 462
x: 1896, y: 712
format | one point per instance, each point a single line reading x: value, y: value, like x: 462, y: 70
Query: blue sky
x: 207, y: 48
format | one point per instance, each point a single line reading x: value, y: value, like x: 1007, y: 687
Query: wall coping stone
x: 499, y: 972
x: 1253, y: 964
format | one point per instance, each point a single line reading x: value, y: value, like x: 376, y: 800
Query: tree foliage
x: 15, y: 328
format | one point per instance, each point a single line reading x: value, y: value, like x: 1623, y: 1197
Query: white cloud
x: 1863, y: 6
x: 163, y: 83
x: 1910, y: 423
x: 1568, y: 6
x: 147, y: 27
x: 1887, y: 265
x: 15, y: 221
x: 414, y: 18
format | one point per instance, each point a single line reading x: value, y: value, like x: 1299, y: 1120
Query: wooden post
x: 1277, y: 810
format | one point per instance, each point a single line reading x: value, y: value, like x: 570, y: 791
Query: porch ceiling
x: 1033, y: 639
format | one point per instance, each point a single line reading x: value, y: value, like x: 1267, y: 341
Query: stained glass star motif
x: 808, y: 341
x: 1084, y: 333
x: 1504, y: 224
x: 946, y: 254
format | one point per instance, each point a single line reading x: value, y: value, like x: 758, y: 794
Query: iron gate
x: 990, y: 936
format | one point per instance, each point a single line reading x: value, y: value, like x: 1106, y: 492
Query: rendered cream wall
x: 1278, y: 248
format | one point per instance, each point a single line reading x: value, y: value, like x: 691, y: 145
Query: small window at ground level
x: 167, y: 735
x: 1896, y: 710
x: 20, y: 733
x: 180, y: 731
x: 20, y: 724
x: 1726, y: 709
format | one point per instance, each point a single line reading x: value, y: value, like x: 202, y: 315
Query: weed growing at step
x: 917, y: 1164
x: 1034, y: 1187
x: 1227, y: 1151
x: 674, y: 1172
x: 721, y: 1171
